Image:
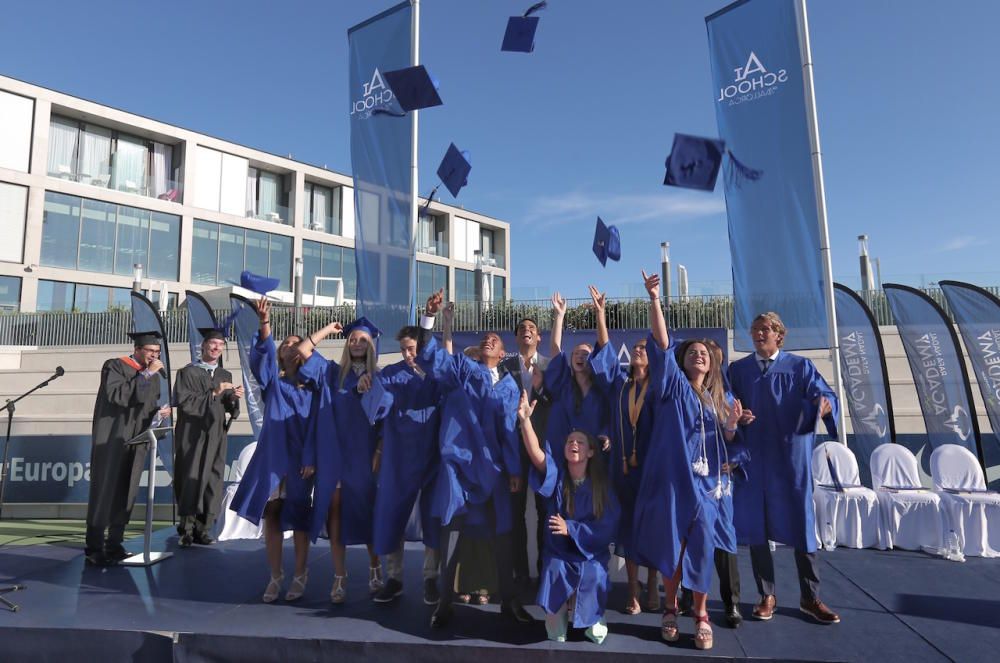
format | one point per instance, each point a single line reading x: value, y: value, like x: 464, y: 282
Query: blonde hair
x: 774, y: 321
x: 371, y: 358
x: 713, y: 387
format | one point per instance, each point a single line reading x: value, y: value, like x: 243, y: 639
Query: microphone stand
x: 9, y: 407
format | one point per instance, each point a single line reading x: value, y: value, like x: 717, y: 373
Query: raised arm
x: 558, y: 314
x: 264, y: 314
x: 600, y: 300
x: 531, y: 444
x: 447, y: 323
x: 308, y: 344
x: 657, y: 324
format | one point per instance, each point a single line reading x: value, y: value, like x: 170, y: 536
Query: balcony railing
x: 169, y: 190
x: 280, y: 214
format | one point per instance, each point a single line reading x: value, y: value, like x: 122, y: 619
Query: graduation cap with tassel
x: 453, y: 172
x: 694, y: 163
x: 413, y: 87
x: 520, y: 34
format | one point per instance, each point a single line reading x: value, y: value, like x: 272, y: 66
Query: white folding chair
x: 847, y: 517
x: 911, y: 514
x: 230, y: 525
x: 971, y: 513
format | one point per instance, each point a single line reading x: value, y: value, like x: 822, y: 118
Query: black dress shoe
x: 431, y: 594
x: 390, y: 590
x: 203, y: 538
x: 442, y: 615
x: 733, y: 616
x: 97, y: 558
x: 185, y: 541
x: 115, y: 553
x: 686, y: 602
x: 513, y: 609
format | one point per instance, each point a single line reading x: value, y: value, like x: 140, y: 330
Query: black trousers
x: 519, y: 532
x: 805, y: 563
x: 97, y: 542
x: 501, y: 543
x: 728, y: 570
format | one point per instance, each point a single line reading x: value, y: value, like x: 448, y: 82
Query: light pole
x: 682, y: 282
x: 867, y: 278
x: 137, y: 277
x: 665, y: 271
x: 297, y: 286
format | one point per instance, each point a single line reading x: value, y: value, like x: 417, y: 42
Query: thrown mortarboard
x: 607, y: 242
x: 145, y: 338
x: 259, y: 284
x: 520, y: 34
x: 694, y: 162
x: 376, y: 402
x: 454, y: 169
x: 210, y: 333
x: 413, y: 87
x: 363, y: 324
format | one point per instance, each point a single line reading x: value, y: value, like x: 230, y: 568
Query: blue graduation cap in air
x: 413, y: 87
x: 694, y: 162
x: 257, y: 283
x: 607, y: 242
x: 454, y: 169
x: 364, y: 324
x: 520, y: 34
x: 376, y: 401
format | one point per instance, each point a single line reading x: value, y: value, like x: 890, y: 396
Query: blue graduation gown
x: 576, y: 563
x: 613, y: 381
x: 674, y: 506
x: 357, y: 440
x: 287, y: 442
x: 775, y: 502
x: 479, y: 443
x: 566, y: 415
x: 410, y: 415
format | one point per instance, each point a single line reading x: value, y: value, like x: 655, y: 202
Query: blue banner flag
x: 762, y: 114
x: 146, y: 319
x: 866, y: 378
x: 245, y: 327
x: 938, y: 369
x: 382, y: 137
x: 977, y: 312
x: 200, y: 316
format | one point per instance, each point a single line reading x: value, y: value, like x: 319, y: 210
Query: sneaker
x: 431, y: 594
x: 389, y: 591
x: 818, y: 611
x: 374, y: 579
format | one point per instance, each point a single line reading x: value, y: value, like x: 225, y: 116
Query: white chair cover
x: 231, y: 525
x: 850, y: 518
x: 973, y: 516
x: 911, y: 519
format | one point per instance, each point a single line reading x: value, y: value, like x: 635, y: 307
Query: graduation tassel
x: 740, y: 172
x: 384, y: 110
x: 633, y: 460
x: 538, y: 6
x: 430, y: 199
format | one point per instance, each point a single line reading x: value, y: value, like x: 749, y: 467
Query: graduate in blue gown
x: 582, y: 519
x: 480, y: 458
x: 569, y: 381
x: 408, y: 405
x: 631, y: 423
x: 785, y: 395
x: 278, y: 481
x: 344, y: 500
x: 679, y: 519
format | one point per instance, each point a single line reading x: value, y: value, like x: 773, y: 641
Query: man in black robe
x: 205, y: 394
x: 126, y: 405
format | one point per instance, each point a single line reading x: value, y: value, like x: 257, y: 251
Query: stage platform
x: 204, y: 605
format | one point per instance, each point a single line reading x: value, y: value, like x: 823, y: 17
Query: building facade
x: 87, y: 192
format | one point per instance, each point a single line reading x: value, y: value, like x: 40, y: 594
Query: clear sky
x: 907, y: 95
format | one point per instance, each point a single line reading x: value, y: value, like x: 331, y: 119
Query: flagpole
x: 824, y: 232
x: 414, y: 174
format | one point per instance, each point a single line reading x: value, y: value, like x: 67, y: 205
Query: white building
x: 88, y: 191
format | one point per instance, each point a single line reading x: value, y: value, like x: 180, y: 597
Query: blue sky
x: 906, y: 91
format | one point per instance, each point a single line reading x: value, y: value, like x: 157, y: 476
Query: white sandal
x: 702, y: 632
x: 339, y: 593
x: 668, y: 627
x: 298, y: 587
x: 374, y: 579
x: 273, y: 589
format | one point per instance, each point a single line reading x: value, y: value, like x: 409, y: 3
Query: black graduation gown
x: 200, y: 440
x: 126, y: 404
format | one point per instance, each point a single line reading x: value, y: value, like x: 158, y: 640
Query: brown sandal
x: 668, y: 628
x: 702, y: 632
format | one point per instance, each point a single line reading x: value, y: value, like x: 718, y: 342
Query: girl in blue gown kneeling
x: 582, y: 521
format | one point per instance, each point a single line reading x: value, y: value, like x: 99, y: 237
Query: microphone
x: 59, y: 371
x: 163, y: 373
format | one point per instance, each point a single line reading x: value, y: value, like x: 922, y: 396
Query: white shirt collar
x: 761, y: 358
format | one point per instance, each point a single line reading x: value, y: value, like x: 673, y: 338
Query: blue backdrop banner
x: 380, y: 159
x: 866, y: 380
x: 938, y: 369
x: 145, y: 319
x: 245, y: 326
x: 200, y: 316
x: 977, y: 312
x: 760, y: 108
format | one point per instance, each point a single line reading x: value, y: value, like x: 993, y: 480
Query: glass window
x: 97, y: 237
x: 256, y: 259
x: 465, y: 285
x: 10, y: 293
x: 60, y: 230
x: 91, y: 298
x: 280, y: 262
x: 121, y: 298
x: 333, y: 265
x: 13, y: 213
x: 171, y: 299
x: 231, y: 250
x: 164, y: 246
x: 63, y: 139
x: 312, y: 265
x: 205, y: 252
x: 95, y: 156
x: 55, y: 296
x: 131, y: 157
x: 499, y: 283
x: 350, y: 274
x: 133, y: 239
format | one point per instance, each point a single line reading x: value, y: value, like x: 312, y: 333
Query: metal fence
x: 111, y: 327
